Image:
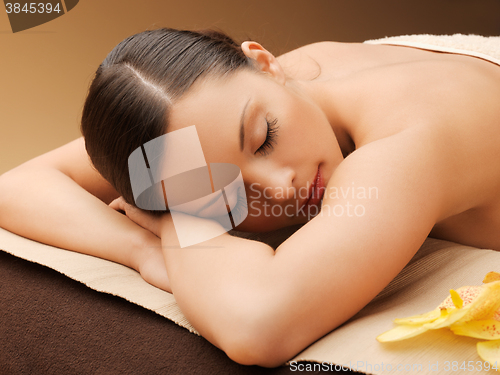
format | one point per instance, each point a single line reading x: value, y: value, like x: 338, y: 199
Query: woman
x: 398, y: 142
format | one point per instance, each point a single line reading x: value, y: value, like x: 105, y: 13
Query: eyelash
x: 240, y: 209
x: 272, y: 130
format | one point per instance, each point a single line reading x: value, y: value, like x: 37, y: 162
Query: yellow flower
x: 472, y: 311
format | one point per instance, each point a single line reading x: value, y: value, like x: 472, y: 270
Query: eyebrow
x: 242, y: 126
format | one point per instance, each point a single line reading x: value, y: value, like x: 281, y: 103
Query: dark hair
x: 129, y: 99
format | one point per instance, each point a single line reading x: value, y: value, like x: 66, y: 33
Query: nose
x: 276, y: 184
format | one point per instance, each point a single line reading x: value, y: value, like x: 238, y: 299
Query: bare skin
x: 449, y: 93
x: 421, y: 127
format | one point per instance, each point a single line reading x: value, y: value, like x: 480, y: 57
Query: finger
x: 144, y: 219
x: 118, y: 204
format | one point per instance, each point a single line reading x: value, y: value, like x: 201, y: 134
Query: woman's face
x: 276, y: 135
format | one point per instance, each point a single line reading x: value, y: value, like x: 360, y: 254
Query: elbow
x: 256, y: 349
x: 260, y: 338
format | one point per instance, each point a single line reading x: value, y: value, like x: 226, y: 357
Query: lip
x: 316, y: 191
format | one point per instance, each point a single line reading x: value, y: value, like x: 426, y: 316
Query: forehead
x: 215, y: 105
x: 210, y: 95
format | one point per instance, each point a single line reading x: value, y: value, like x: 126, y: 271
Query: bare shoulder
x: 318, y: 49
x: 410, y: 175
x: 375, y: 216
x: 386, y: 195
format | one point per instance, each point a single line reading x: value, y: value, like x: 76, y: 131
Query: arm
x: 59, y: 199
x: 263, y: 307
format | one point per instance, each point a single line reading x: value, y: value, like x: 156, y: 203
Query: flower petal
x: 490, y: 351
x: 405, y: 331
x: 480, y: 329
x: 401, y: 332
x: 448, y: 317
x: 469, y: 311
x: 420, y: 319
x: 485, y: 305
x: 491, y: 276
x: 467, y: 295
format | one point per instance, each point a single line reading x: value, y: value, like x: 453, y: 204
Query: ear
x: 264, y: 60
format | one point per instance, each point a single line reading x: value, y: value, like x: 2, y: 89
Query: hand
x: 150, y: 263
x: 138, y: 216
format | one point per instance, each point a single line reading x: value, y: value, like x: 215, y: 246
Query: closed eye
x: 270, y: 141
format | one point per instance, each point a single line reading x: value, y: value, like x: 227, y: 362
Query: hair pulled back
x: 129, y: 98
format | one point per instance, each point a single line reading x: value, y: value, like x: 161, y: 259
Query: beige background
x: 45, y: 71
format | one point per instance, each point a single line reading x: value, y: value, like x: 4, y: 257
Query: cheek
x: 307, y: 135
x: 308, y: 124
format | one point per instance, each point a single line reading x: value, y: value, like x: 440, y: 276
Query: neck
x: 346, y: 143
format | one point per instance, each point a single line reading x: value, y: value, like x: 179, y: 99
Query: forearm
x: 224, y: 286
x: 45, y: 205
x: 259, y: 306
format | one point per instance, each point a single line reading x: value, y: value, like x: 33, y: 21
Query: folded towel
x: 487, y: 48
